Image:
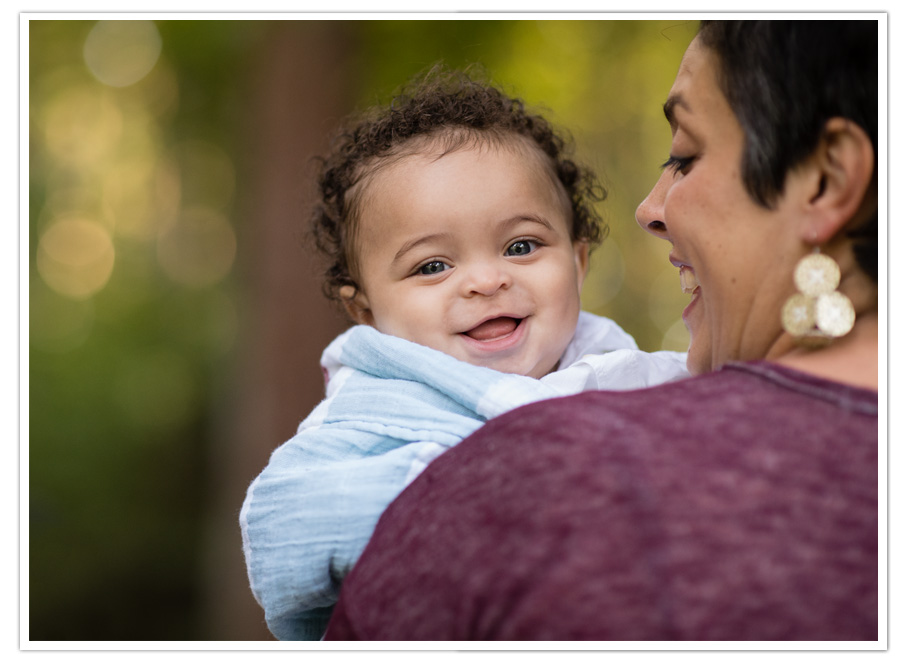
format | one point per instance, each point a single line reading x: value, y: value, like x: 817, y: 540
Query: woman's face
x: 735, y: 256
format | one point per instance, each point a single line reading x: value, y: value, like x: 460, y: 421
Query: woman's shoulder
x: 746, y: 403
x: 733, y: 386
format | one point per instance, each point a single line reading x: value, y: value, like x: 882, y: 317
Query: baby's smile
x: 494, y: 328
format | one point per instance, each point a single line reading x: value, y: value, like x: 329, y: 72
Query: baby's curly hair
x: 455, y: 109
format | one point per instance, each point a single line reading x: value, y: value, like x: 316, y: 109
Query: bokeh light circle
x: 120, y: 53
x: 75, y: 257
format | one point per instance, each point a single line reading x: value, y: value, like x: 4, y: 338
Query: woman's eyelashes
x: 679, y: 164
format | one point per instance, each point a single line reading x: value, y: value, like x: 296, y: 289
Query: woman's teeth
x: 688, y: 280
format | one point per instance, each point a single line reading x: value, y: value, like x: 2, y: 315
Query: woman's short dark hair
x: 784, y: 80
x: 454, y: 109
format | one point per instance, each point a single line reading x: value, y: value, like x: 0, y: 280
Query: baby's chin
x: 542, y: 370
x: 533, y: 371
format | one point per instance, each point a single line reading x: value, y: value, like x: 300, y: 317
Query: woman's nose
x: 649, y: 213
x: 486, y: 279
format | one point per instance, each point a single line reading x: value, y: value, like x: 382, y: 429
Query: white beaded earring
x: 818, y: 313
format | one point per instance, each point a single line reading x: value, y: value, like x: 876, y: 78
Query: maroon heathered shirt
x: 739, y: 505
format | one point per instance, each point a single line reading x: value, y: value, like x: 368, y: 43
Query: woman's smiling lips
x: 689, y: 283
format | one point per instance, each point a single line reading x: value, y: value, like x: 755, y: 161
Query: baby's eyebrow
x: 418, y: 241
x: 527, y: 218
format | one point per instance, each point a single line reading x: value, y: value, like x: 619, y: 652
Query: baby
x: 459, y: 234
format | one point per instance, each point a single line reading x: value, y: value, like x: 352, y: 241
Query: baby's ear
x: 356, y: 305
x: 582, y: 259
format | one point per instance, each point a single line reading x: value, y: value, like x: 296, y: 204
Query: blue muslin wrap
x: 391, y: 407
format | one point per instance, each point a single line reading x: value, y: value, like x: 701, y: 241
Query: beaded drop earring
x: 818, y: 313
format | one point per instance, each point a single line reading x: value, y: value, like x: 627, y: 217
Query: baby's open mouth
x: 494, y: 328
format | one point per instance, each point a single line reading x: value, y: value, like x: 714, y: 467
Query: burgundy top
x: 738, y: 505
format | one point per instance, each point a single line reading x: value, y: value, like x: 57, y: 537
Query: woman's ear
x: 356, y: 304
x: 845, y: 163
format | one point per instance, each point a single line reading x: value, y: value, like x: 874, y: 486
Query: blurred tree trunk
x: 297, y: 93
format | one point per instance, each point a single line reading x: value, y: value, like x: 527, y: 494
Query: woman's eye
x: 432, y: 268
x: 521, y: 247
x: 679, y: 164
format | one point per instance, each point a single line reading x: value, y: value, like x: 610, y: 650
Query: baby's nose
x: 486, y: 279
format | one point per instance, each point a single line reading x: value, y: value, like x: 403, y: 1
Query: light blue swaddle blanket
x: 391, y: 407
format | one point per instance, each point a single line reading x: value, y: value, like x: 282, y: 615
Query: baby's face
x: 471, y: 254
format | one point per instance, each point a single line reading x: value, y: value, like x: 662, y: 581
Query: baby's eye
x: 432, y: 268
x: 520, y: 247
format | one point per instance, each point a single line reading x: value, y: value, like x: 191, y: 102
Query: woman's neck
x: 851, y: 360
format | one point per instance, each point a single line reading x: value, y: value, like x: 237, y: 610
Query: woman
x: 739, y: 504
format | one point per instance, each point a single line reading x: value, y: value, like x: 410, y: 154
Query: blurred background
x: 175, y: 312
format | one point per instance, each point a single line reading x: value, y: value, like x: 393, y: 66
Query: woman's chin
x: 698, y: 362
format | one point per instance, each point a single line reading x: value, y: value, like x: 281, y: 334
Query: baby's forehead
x: 497, y: 141
x: 432, y: 147
x: 374, y: 173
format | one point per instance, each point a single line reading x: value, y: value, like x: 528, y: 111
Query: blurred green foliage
x: 133, y: 320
